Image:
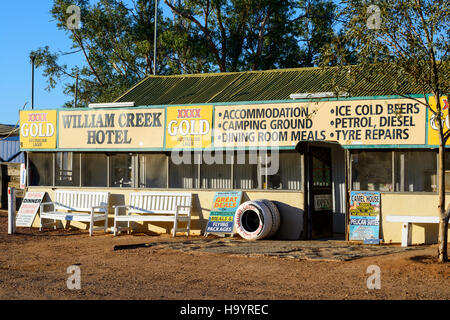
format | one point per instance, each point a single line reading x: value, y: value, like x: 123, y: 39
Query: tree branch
x: 205, y: 31
x: 80, y: 43
x: 261, y: 38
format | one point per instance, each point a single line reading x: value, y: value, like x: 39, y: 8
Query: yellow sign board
x: 189, y: 127
x: 356, y: 122
x: 38, y: 129
x: 433, y: 131
x: 116, y: 129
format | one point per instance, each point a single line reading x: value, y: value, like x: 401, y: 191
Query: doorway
x: 325, y: 193
x: 320, y: 192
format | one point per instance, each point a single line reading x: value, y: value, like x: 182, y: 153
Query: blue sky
x: 25, y: 26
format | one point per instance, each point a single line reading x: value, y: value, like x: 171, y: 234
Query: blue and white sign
x: 364, y: 215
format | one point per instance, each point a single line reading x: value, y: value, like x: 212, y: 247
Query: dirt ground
x: 33, y: 265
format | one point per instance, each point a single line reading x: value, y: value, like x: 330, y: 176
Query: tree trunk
x: 443, y: 220
x: 443, y: 238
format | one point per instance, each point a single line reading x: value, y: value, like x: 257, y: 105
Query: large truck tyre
x: 276, y: 220
x: 256, y: 220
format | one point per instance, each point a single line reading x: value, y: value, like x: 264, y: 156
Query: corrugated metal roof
x: 6, y: 129
x: 250, y: 86
x: 10, y: 151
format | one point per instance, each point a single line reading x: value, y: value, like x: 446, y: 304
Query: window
x: 183, y: 171
x: 215, y: 170
x: 153, y: 171
x: 415, y: 171
x: 372, y: 170
x: 41, y: 168
x: 237, y: 170
x: 121, y: 170
x: 192, y: 170
x: 289, y: 173
x: 412, y: 170
x: 94, y: 170
x: 245, y: 170
x: 67, y: 169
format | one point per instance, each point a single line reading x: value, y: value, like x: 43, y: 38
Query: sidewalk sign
x: 364, y: 215
x: 29, y: 208
x: 221, y: 218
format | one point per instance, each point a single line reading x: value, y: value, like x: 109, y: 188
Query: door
x: 121, y: 170
x: 320, y: 192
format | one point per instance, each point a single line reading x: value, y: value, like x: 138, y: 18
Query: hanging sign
x: 352, y: 122
x: 364, y: 215
x: 111, y: 129
x: 28, y: 209
x: 221, y: 218
x: 189, y: 127
x: 433, y: 124
x: 38, y: 129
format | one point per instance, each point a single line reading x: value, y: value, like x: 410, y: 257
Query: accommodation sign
x: 364, y: 215
x: 105, y: 129
x: 374, y: 122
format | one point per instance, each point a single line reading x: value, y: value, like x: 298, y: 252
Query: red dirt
x: 33, y: 265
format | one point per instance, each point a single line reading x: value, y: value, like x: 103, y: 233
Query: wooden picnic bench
x: 73, y: 205
x: 407, y: 225
x: 155, y: 207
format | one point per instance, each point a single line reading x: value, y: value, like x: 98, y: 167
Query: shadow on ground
x: 324, y: 250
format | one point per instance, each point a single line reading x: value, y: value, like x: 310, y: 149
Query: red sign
x: 28, y: 209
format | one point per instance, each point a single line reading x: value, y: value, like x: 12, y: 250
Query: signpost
x: 221, y: 218
x: 364, y: 215
x: 28, y: 209
x: 11, y: 210
x: 23, y: 176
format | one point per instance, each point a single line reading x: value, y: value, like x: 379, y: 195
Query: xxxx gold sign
x: 433, y: 124
x: 189, y: 127
x: 105, y: 129
x: 370, y: 122
x: 38, y: 129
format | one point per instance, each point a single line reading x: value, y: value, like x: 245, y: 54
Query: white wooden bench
x: 156, y: 207
x: 73, y: 205
x: 407, y: 225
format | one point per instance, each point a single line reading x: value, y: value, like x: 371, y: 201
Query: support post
x: 11, y: 210
x: 406, y: 234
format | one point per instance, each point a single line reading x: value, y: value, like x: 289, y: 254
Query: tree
x: 258, y: 35
x: 116, y: 43
x: 408, y: 39
x: 115, y: 39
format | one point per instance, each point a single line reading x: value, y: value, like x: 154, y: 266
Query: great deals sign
x: 221, y: 218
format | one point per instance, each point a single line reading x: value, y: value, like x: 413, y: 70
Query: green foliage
x: 411, y: 43
x: 116, y: 40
